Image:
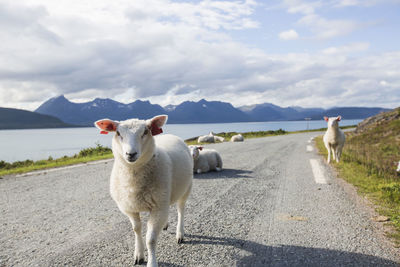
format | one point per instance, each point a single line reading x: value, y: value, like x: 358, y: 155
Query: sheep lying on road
x: 237, y: 138
x: 205, y: 159
x: 149, y: 174
x: 210, y: 138
x: 334, y: 138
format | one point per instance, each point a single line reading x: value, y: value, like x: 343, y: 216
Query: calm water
x: 41, y: 143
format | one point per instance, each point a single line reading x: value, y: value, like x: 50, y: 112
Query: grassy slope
x: 369, y: 162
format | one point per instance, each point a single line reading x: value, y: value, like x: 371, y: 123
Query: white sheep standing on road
x: 205, y: 160
x: 149, y: 174
x: 237, y: 138
x: 334, y: 138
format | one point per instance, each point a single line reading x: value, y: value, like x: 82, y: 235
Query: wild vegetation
x: 369, y: 161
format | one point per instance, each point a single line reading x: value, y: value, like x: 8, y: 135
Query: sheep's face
x: 333, y: 121
x: 133, y: 138
x: 195, y: 151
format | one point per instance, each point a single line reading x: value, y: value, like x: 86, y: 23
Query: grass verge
x: 378, y: 183
x: 89, y: 154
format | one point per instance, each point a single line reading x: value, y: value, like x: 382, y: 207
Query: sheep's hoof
x: 139, y: 261
x: 180, y: 240
x: 165, y: 227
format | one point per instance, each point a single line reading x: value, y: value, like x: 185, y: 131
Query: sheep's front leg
x: 334, y: 152
x: 339, y: 153
x: 181, y: 209
x: 157, y: 220
x: 328, y: 147
x: 137, y: 228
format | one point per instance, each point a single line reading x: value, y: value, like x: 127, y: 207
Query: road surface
x: 276, y: 203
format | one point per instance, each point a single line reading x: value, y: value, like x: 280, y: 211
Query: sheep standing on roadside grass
x: 205, y: 160
x: 237, y: 138
x: 149, y: 174
x: 398, y: 167
x: 334, y: 138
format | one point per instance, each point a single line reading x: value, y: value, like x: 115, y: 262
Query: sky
x: 290, y: 53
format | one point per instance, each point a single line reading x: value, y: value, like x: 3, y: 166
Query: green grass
x: 89, y: 154
x: 368, y: 163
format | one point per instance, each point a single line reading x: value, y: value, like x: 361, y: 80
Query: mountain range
x: 203, y: 111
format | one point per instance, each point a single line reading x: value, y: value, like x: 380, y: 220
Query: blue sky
x: 292, y: 52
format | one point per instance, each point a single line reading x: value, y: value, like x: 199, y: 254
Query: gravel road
x: 264, y: 209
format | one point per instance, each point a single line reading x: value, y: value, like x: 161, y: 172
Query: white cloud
x: 302, y: 7
x: 362, y: 3
x: 383, y: 83
x: 289, y: 35
x: 326, y: 29
x: 169, y: 52
x: 351, y: 48
x: 321, y: 27
x: 344, y: 3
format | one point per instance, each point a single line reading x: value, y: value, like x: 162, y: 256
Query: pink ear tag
x: 103, y: 132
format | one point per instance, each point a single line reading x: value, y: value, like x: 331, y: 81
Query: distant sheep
x: 206, y: 138
x: 205, y: 160
x: 210, y: 138
x: 237, y: 138
x: 149, y: 174
x: 218, y: 138
x: 334, y: 138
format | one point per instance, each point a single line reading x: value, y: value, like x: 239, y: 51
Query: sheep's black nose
x: 131, y: 156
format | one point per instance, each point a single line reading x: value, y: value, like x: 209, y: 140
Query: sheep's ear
x: 106, y: 125
x: 339, y: 118
x: 326, y: 118
x: 156, y: 123
x: 200, y: 148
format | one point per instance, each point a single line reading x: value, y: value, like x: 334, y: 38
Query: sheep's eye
x: 118, y: 134
x: 146, y: 131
